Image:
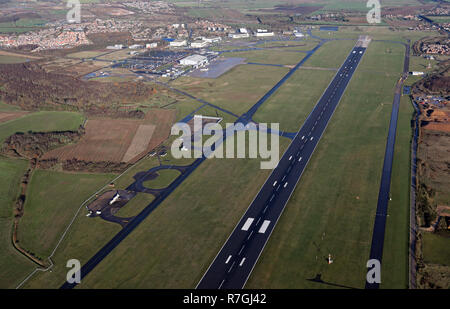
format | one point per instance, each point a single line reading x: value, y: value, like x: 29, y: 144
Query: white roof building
x: 199, y: 44
x: 213, y: 40
x: 178, y: 43
x: 194, y: 60
x: 238, y: 35
x: 151, y: 45
x: 264, y: 34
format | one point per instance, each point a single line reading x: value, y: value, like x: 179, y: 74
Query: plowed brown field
x: 118, y: 140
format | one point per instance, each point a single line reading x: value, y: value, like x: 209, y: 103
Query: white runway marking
x: 242, y: 262
x: 264, y: 226
x: 242, y: 248
x: 247, y: 224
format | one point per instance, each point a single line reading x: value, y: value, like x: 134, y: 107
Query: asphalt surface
x: 376, y: 249
x: 238, y: 256
x: 122, y: 234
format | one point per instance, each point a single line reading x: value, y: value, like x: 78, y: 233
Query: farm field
x: 13, y: 265
x: 237, y: 90
x: 117, y: 140
x: 41, y: 122
x: 11, y: 115
x: 5, y: 59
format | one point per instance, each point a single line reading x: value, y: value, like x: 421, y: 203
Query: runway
x: 379, y: 229
x: 234, y: 263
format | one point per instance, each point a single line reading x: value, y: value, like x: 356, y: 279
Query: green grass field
x: 331, y: 211
x: 13, y: 265
x: 375, y: 32
x: 293, y: 102
x: 165, y: 178
x: 52, y: 200
x: 333, y: 208
x: 331, y: 55
x: 41, y: 122
x: 11, y: 59
x: 394, y: 272
x: 237, y: 90
x: 135, y: 205
x: 269, y: 56
x: 436, y: 248
x: 8, y: 108
x: 173, y: 261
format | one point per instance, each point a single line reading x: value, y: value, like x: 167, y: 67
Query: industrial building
x: 199, y: 44
x: 178, y: 43
x: 151, y: 45
x: 263, y: 33
x: 194, y: 60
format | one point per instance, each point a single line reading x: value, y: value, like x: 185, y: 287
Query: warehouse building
x: 194, y: 60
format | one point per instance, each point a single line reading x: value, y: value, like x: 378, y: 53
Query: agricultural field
x: 4, y: 59
x: 117, y: 140
x: 13, y: 265
x: 41, y: 122
x: 10, y: 57
x: 11, y: 115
